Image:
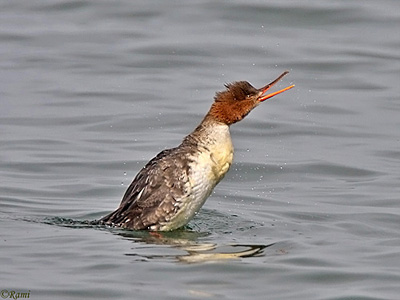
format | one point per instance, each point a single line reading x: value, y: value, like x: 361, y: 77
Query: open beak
x: 269, y: 85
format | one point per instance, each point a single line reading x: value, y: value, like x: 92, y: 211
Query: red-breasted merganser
x: 173, y: 186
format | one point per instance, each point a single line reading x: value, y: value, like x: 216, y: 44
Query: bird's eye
x: 248, y: 96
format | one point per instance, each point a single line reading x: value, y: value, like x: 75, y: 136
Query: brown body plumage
x: 173, y: 186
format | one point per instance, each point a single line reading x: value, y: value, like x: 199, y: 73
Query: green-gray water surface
x: 91, y: 90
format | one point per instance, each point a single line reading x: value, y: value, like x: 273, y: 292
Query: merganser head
x: 239, y: 98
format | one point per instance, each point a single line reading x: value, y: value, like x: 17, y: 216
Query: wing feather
x: 156, y: 193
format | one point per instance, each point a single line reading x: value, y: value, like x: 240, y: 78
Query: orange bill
x: 269, y: 85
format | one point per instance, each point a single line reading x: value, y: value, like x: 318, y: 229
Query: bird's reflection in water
x: 192, y: 251
x: 180, y: 245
